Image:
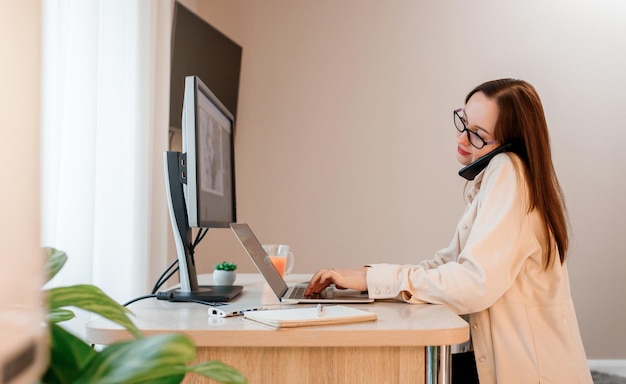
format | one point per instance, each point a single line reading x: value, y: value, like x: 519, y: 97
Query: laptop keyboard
x: 298, y: 293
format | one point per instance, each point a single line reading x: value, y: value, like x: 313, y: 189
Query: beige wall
x: 345, y: 144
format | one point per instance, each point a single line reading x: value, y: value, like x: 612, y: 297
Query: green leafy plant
x: 225, y: 266
x: 160, y: 359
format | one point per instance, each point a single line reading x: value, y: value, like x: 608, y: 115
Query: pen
x: 320, y: 310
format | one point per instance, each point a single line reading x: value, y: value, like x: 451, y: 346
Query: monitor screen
x: 208, y: 129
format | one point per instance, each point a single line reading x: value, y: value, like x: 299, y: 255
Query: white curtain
x: 104, y: 128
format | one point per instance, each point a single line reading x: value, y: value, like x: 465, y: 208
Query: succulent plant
x: 225, y: 266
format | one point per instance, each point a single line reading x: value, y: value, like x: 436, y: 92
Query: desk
x: 407, y: 344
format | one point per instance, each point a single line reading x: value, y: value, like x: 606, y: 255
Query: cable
x: 168, y: 273
x: 140, y: 298
x: 201, y: 233
x: 209, y: 303
x: 157, y: 286
x: 162, y: 279
x: 192, y: 247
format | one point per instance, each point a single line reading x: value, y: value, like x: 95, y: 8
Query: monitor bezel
x: 194, y: 90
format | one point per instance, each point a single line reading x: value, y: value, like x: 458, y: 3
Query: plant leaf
x: 69, y: 355
x: 92, y: 299
x: 55, y: 260
x: 58, y: 315
x: 219, y: 372
x: 147, y: 359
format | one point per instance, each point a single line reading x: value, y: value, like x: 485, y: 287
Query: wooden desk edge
x: 307, y: 337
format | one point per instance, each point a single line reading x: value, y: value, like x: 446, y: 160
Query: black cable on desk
x: 169, y: 296
x: 140, y: 298
x: 165, y: 276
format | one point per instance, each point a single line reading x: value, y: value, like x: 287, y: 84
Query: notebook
x: 309, y: 316
x: 285, y: 293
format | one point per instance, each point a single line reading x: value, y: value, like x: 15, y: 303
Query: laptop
x: 295, y: 293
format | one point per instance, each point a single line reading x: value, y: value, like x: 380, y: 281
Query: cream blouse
x: 522, y: 320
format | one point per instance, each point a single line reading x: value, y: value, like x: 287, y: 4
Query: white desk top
x: 398, y: 324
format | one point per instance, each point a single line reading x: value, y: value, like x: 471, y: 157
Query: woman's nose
x: 462, y: 137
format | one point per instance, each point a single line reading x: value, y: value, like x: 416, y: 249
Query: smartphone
x: 470, y: 171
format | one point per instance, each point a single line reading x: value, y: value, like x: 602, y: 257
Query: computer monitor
x: 208, y: 143
x: 201, y: 184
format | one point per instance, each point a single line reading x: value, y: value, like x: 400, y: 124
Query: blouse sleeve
x: 493, y: 244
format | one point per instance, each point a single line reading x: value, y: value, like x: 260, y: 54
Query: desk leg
x: 438, y: 365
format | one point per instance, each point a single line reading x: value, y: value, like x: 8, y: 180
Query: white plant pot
x: 224, y: 277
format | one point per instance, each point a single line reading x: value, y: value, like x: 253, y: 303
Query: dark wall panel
x: 200, y: 49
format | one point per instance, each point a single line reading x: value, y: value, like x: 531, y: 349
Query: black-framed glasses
x: 476, y: 141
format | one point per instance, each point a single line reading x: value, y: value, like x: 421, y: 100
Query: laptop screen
x: 262, y: 261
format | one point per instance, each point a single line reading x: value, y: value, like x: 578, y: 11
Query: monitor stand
x: 189, y: 289
x: 207, y: 293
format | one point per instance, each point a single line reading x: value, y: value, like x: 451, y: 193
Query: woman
x: 505, y: 266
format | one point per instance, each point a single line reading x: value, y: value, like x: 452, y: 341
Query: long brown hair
x: 521, y: 122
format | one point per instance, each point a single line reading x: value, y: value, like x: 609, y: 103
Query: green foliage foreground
x: 155, y: 359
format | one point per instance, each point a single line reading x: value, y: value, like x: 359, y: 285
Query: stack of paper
x: 307, y: 316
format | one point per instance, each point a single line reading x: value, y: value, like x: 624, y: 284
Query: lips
x: 461, y: 151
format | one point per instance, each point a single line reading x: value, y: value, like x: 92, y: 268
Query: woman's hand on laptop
x: 342, y: 278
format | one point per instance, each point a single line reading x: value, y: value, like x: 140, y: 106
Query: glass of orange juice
x: 281, y: 257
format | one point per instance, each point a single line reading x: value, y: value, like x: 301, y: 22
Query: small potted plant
x: 224, y: 273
